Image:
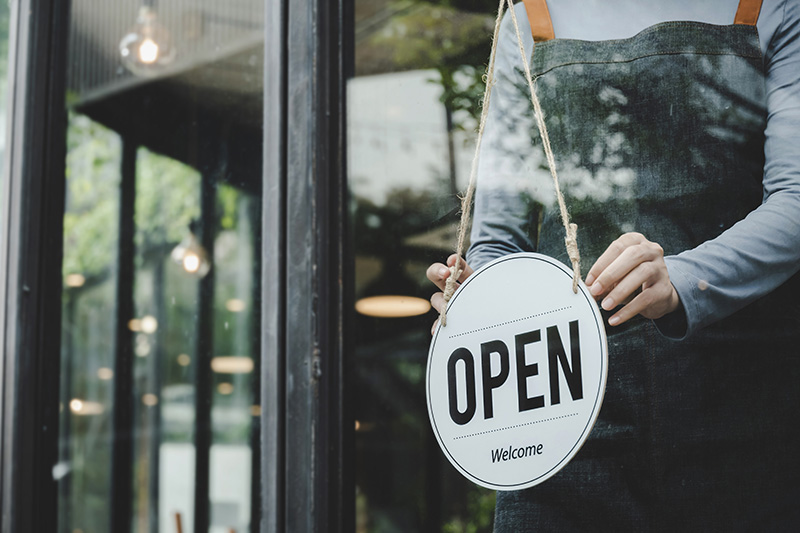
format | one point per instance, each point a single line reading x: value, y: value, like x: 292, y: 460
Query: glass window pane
x: 160, y: 340
x: 165, y: 311
x: 4, y: 20
x: 412, y: 109
x: 87, y: 342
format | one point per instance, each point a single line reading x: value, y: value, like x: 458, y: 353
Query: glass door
x: 412, y: 110
x: 160, y: 342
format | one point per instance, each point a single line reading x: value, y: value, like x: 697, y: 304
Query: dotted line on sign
x: 514, y: 426
x: 510, y: 322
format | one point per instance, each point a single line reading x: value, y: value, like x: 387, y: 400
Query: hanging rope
x: 571, y: 239
x: 466, y: 202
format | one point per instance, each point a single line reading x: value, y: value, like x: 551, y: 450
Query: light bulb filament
x: 191, y: 262
x: 148, y: 51
x: 147, y: 47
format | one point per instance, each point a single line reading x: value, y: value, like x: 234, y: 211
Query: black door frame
x: 32, y: 226
x: 307, y: 428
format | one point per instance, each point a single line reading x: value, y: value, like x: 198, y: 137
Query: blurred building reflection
x: 164, y: 160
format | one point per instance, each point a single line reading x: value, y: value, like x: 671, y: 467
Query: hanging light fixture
x: 191, y: 255
x: 393, y: 294
x: 392, y: 306
x: 147, y: 48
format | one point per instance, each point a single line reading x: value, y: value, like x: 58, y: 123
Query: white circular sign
x: 516, y: 379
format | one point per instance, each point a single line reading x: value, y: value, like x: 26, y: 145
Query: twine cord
x: 571, y: 239
x: 466, y: 202
x: 456, y: 270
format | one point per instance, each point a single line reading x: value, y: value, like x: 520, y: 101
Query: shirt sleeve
x: 762, y: 251
x: 505, y: 217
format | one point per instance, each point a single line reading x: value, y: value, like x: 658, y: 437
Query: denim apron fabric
x: 663, y: 134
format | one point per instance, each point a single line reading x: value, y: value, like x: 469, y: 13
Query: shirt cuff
x: 679, y: 324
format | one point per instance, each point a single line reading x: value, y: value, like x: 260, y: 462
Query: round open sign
x: 516, y: 379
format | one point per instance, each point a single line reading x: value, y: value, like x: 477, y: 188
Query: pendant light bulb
x: 147, y: 47
x: 191, y: 255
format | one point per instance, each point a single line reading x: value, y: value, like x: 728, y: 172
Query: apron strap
x: 539, y: 18
x: 747, y: 13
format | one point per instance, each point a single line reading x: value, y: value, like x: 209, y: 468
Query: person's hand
x: 438, y: 274
x: 632, y: 272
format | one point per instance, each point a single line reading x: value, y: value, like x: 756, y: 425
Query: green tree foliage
x: 441, y: 36
x: 92, y: 206
x: 167, y: 200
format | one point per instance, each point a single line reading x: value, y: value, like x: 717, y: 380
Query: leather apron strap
x: 539, y: 18
x: 747, y: 13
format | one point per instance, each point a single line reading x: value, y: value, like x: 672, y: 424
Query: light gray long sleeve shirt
x: 751, y: 258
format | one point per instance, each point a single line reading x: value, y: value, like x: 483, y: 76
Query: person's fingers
x: 612, y: 252
x: 631, y: 273
x: 628, y: 260
x: 438, y: 274
x: 466, y: 269
x: 632, y: 281
x: 433, y: 327
x: 631, y: 310
x: 652, y: 302
x: 437, y: 301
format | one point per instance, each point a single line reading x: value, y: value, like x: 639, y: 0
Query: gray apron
x: 700, y: 434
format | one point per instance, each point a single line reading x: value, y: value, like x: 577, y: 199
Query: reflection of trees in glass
x: 380, y: 229
x: 85, y: 444
x: 390, y: 374
x: 91, y: 218
x: 234, y: 327
x: 477, y: 515
x: 444, y: 37
x: 394, y: 242
x: 90, y: 253
x: 4, y: 21
x: 168, y: 204
x: 629, y: 162
x: 167, y: 200
x: 427, y: 36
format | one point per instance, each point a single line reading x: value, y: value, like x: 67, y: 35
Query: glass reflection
x: 87, y: 348
x: 4, y: 32
x: 161, y: 272
x: 616, y: 176
x: 411, y: 112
